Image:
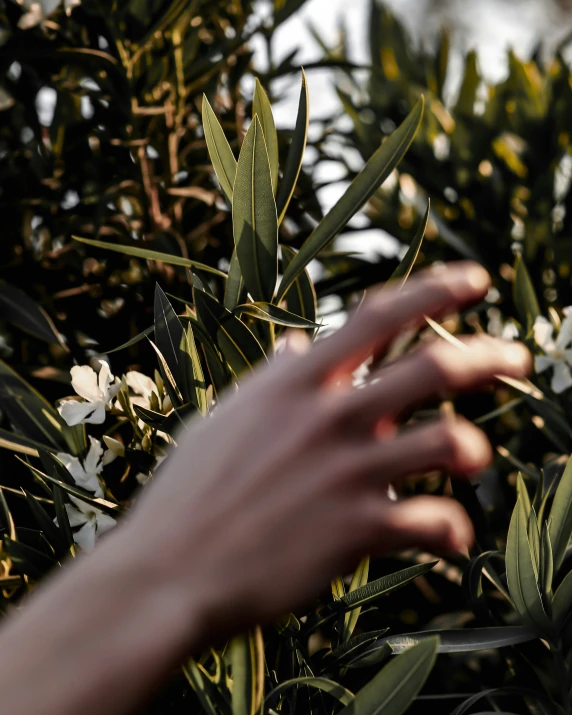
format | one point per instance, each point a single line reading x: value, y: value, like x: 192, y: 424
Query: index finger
x: 432, y: 292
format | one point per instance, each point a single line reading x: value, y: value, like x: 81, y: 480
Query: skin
x: 284, y: 488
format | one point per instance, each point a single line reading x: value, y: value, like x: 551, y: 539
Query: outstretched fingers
x: 435, y: 524
x: 433, y: 292
x: 452, y: 444
x: 434, y: 371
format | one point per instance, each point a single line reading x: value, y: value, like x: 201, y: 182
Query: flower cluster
x: 97, y: 394
x: 557, y: 351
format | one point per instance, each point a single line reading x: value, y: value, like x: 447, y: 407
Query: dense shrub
x: 166, y: 287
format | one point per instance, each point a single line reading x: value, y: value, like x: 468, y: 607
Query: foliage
x: 148, y: 234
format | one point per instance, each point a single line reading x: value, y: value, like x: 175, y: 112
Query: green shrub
x: 171, y: 284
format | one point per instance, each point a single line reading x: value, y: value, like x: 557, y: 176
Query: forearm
x: 100, y: 636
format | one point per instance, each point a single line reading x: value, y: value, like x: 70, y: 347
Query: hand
x: 286, y: 485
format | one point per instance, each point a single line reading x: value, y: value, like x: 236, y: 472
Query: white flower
x: 558, y: 353
x: 98, y: 390
x: 499, y: 328
x: 86, y: 473
x: 143, y: 387
x: 93, y: 523
x: 39, y: 11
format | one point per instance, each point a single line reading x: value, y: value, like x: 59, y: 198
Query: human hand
x: 285, y: 486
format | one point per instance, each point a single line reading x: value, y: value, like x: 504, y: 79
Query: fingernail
x: 517, y: 354
x: 478, y: 278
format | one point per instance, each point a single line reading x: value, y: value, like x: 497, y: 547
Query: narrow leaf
x: 295, y: 153
x: 234, y: 284
x: 262, y: 108
x: 236, y: 342
x: 221, y: 154
x: 343, y: 695
x: 359, y: 580
x: 255, y: 224
x: 362, y: 188
x: 247, y: 662
x: 560, y: 518
x: 395, y: 687
x: 272, y: 314
x: 524, y: 295
x: 520, y: 573
x: 301, y: 296
x: 408, y: 261
x: 150, y: 255
x: 373, y: 590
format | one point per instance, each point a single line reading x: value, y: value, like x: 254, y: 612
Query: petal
x: 105, y: 380
x: 108, y: 456
x: 104, y: 523
x: 84, y: 382
x: 561, y: 379
x: 86, y: 509
x: 72, y: 464
x: 85, y: 537
x: 77, y: 413
x: 565, y: 335
x: 92, y: 461
x: 140, y: 383
x: 543, y: 362
x: 509, y: 331
x: 543, y: 330
x: 91, y: 483
x: 75, y: 517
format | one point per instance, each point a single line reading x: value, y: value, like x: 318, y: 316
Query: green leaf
x: 352, y: 648
x: 301, y: 296
x: 27, y: 560
x: 522, y: 493
x: 247, y: 663
x: 546, y: 565
x: 221, y: 154
x: 520, y: 573
x: 395, y: 687
x: 272, y: 314
x: 362, y: 188
x: 255, y: 224
x: 168, y: 378
x: 132, y: 341
x: 295, y: 153
x: 343, y: 695
x: 46, y: 524
x: 236, y: 342
x: 150, y: 255
x: 234, y: 284
x: 202, y: 687
x: 560, y: 518
x: 562, y: 600
x: 18, y: 308
x: 168, y: 332
x: 408, y: 261
x: 359, y: 580
x: 524, y: 295
x: 193, y: 386
x: 470, y: 85
x: 373, y: 590
x: 62, y: 517
x: 454, y: 640
x: 262, y: 108
x: 20, y: 444
x: 28, y: 412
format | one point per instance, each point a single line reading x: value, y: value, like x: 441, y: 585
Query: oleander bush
x: 158, y: 230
